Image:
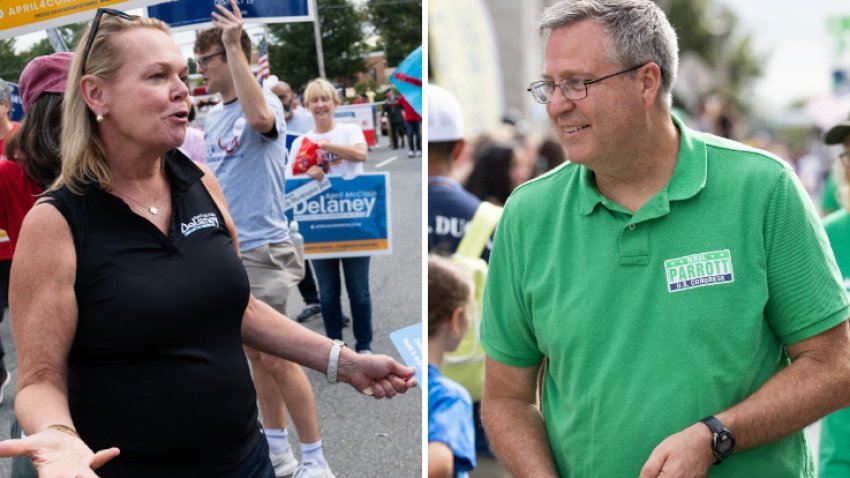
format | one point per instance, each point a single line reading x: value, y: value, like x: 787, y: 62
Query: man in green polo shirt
x: 679, y: 285
x: 834, y: 450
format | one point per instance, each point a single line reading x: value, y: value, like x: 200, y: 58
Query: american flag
x: 263, y: 61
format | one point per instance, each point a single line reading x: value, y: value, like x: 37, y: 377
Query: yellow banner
x: 18, y: 17
x: 23, y: 12
x: 464, y: 59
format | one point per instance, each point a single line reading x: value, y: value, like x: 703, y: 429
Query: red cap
x: 45, y: 74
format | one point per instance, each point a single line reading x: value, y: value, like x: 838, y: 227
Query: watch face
x: 724, y: 443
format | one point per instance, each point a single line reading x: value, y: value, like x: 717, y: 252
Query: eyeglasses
x: 573, y: 88
x: 845, y: 158
x: 203, y: 61
x: 93, y: 31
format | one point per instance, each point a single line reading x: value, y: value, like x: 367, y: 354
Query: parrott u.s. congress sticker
x: 698, y: 270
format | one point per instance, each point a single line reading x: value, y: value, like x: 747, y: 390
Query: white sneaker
x: 312, y: 469
x: 284, y: 464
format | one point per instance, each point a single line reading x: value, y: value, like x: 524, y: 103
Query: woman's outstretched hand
x: 376, y: 375
x: 57, y: 454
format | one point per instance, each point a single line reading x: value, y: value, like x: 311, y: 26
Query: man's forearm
x: 789, y: 401
x: 518, y: 437
x: 249, y: 92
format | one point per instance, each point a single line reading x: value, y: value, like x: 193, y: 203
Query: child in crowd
x: 451, y: 433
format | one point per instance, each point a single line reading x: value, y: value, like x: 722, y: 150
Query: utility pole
x: 317, y: 32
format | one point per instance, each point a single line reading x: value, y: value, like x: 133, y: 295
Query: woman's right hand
x: 316, y: 172
x: 56, y: 454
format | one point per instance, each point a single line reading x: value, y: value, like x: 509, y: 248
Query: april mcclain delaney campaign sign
x: 342, y: 218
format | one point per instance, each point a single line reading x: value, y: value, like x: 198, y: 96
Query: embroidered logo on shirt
x: 201, y: 221
x: 698, y: 270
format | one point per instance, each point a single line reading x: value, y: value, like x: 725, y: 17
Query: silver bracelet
x: 333, y: 360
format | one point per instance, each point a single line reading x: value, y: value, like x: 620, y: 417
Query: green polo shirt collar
x: 688, y: 179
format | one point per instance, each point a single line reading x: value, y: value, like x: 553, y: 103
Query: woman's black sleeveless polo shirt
x: 157, y: 367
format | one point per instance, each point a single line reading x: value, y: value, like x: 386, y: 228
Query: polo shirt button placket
x: 633, y: 245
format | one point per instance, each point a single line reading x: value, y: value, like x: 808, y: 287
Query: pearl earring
x: 99, y: 117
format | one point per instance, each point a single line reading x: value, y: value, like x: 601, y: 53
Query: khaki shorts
x: 273, y: 269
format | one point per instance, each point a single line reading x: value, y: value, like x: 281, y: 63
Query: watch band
x: 713, y: 424
x: 333, y: 360
x: 720, y: 435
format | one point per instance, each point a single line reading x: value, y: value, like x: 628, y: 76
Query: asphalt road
x: 362, y: 437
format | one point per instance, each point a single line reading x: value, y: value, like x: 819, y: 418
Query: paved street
x: 362, y: 437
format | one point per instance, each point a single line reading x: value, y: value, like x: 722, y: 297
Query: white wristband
x: 333, y: 360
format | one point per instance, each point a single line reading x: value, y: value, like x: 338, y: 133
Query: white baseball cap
x: 445, y: 118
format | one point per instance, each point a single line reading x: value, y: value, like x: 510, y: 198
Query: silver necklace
x: 151, y: 209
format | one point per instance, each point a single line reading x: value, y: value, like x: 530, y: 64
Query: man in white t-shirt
x: 246, y: 151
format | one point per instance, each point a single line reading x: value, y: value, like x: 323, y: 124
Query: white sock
x: 313, y: 451
x: 278, y: 439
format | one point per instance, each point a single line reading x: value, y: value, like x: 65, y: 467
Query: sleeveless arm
x: 43, y: 309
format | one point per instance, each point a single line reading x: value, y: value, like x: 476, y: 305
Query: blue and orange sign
x: 351, y: 218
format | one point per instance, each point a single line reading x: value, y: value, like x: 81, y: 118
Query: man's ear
x: 650, y: 83
x: 94, y: 94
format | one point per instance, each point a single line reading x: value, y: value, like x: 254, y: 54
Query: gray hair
x: 5, y: 93
x: 639, y: 32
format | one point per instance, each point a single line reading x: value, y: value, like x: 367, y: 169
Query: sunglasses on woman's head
x: 93, y: 31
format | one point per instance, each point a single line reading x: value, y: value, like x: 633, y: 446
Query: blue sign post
x: 182, y: 14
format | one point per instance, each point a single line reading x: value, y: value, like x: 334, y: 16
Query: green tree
x: 12, y: 63
x: 292, y: 48
x: 714, y: 34
x: 399, y: 24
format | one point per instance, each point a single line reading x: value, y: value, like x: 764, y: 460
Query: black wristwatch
x: 722, y: 442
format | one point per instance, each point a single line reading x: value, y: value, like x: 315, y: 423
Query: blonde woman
x: 343, y: 151
x: 129, y: 303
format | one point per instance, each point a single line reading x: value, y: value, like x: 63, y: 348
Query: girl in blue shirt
x: 451, y: 433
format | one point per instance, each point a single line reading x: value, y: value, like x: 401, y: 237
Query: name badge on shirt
x: 698, y: 270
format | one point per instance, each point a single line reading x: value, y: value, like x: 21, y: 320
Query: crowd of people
x: 143, y: 280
